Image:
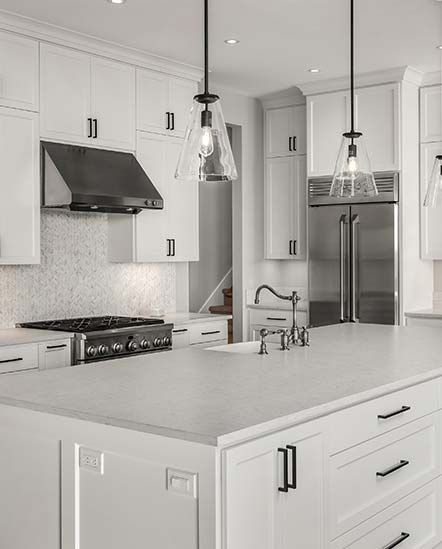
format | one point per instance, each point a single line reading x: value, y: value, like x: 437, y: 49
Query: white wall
x: 75, y: 278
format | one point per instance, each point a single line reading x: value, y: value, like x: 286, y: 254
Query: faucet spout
x: 271, y: 290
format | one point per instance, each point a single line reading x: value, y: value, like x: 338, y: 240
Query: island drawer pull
x: 386, y: 472
x: 62, y: 346
x: 10, y: 360
x: 395, y: 413
x: 210, y: 333
x: 276, y: 318
x: 181, y: 331
x: 294, y: 483
x: 397, y: 541
x: 285, y: 453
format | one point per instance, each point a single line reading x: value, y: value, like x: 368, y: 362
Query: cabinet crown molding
x: 431, y: 79
x: 396, y: 74
x: 285, y: 98
x: 46, y: 32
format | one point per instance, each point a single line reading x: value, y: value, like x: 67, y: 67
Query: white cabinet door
x: 259, y: 515
x: 430, y: 113
x: 65, y: 90
x: 431, y: 218
x: 182, y: 209
x: 18, y: 72
x: 327, y: 117
x: 285, y: 208
x: 285, y: 131
x: 54, y: 354
x: 377, y: 117
x: 152, y: 101
x: 151, y: 225
x: 181, y: 93
x: 19, y: 187
x: 113, y: 104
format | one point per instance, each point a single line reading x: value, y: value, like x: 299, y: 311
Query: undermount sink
x: 245, y: 348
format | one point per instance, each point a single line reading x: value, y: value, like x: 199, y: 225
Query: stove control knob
x: 145, y: 344
x: 132, y: 346
x: 157, y: 342
x: 91, y: 351
x: 117, y: 347
x: 103, y: 350
x: 166, y: 341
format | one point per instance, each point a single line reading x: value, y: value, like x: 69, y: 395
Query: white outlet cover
x: 182, y: 482
x: 93, y: 460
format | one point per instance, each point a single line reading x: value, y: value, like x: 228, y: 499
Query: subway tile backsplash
x: 76, y: 279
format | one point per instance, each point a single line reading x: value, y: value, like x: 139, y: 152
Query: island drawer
x: 277, y: 318
x: 368, y: 478
x: 375, y: 417
x: 18, y: 357
x: 180, y: 337
x: 413, y: 522
x: 208, y: 332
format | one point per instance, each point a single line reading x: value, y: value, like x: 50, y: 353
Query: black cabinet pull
x: 295, y: 247
x: 294, y: 144
x: 95, y: 128
x: 173, y: 247
x: 386, y: 472
x: 10, y: 360
x: 169, y: 253
x: 276, y: 318
x: 89, y: 120
x: 210, y: 333
x: 395, y: 413
x: 294, y: 482
x: 173, y: 121
x: 56, y: 346
x: 285, y: 486
x: 397, y: 541
x: 180, y: 331
x: 168, y: 120
x: 290, y: 144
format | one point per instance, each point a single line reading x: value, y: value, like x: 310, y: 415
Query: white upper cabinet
x: 19, y: 187
x: 170, y: 234
x: 65, y: 90
x: 430, y: 107
x: 86, y: 100
x: 285, y: 131
x: 431, y: 218
x: 377, y: 117
x: 327, y: 120
x: 285, y: 208
x: 163, y: 103
x: 113, y: 103
x: 18, y: 72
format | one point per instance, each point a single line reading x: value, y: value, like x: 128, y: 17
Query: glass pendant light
x: 433, y: 197
x: 206, y: 154
x: 353, y: 177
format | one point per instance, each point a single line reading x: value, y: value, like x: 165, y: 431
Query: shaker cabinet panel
x: 18, y: 72
x: 19, y: 187
x: 181, y: 93
x: 113, y: 103
x: 285, y: 131
x: 430, y: 112
x: 65, y: 90
x: 431, y: 219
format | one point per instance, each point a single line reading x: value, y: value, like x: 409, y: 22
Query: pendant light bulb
x: 206, y: 144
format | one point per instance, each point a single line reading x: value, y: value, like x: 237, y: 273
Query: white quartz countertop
x: 180, y: 319
x: 219, y: 398
x: 425, y: 313
x: 22, y: 336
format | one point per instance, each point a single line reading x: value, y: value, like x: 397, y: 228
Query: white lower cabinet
x: 34, y: 356
x: 55, y: 354
x: 273, y: 320
x: 208, y: 334
x: 273, y: 491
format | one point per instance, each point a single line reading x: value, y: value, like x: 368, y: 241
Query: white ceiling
x: 280, y: 39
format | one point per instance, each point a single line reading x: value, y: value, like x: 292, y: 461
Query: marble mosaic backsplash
x: 76, y: 279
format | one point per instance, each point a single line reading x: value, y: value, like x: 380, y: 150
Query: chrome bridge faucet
x: 295, y: 335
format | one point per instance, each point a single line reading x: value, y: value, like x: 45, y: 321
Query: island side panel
x: 86, y: 485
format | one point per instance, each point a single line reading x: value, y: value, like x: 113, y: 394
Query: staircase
x: 226, y: 309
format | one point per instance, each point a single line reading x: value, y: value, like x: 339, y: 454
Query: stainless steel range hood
x: 84, y: 179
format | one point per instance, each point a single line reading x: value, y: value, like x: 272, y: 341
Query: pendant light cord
x: 352, y: 65
x: 206, y: 47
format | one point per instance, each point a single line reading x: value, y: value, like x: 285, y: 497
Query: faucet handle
x: 305, y: 336
x: 263, y: 347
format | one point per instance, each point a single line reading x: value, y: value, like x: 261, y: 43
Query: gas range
x: 107, y: 337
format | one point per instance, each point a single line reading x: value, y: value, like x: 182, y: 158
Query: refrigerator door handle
x: 342, y: 222
x: 354, y: 269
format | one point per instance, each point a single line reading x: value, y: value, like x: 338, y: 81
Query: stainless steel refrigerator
x: 354, y: 254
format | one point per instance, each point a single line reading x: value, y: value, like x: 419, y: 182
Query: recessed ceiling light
x: 314, y: 71
x: 231, y: 41
x: 116, y: 1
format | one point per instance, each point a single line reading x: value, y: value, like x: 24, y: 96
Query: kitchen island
x: 337, y: 445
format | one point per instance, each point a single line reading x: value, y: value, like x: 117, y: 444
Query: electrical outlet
x: 92, y: 460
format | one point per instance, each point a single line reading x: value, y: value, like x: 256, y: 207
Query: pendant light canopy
x: 206, y: 154
x: 353, y: 176
x: 433, y: 197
